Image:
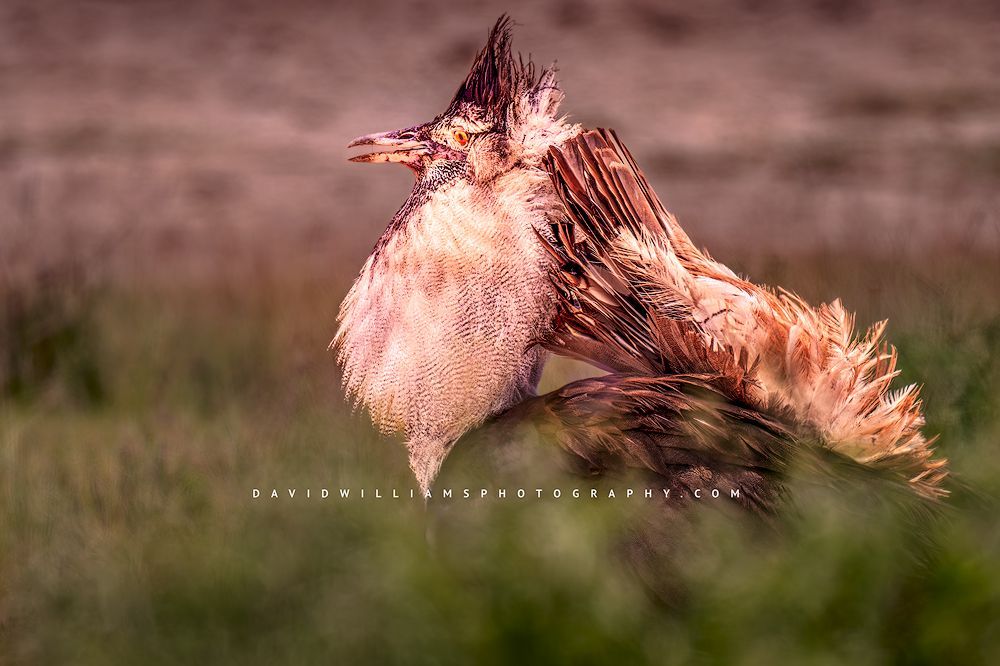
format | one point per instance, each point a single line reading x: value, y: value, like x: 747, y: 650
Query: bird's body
x: 441, y: 330
x: 524, y: 233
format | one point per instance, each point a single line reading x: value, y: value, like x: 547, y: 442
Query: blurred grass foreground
x: 177, y: 228
x: 135, y: 426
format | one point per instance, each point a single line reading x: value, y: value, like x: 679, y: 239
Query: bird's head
x: 502, y: 116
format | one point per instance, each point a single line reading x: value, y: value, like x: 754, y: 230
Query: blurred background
x: 178, y: 225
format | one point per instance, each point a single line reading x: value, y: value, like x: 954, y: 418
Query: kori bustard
x: 526, y: 235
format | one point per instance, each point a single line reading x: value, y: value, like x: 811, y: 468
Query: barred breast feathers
x: 436, y: 333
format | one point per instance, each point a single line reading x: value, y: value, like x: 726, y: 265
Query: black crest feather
x: 496, y: 77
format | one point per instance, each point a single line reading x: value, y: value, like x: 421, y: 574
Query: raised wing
x: 637, y: 297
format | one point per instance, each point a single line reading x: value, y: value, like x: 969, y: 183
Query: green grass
x: 128, y: 533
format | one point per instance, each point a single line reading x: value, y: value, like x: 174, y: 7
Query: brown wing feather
x: 604, y: 311
x: 636, y: 296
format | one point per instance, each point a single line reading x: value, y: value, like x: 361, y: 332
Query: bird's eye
x: 461, y: 136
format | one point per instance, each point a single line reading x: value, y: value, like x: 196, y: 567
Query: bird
x: 526, y: 235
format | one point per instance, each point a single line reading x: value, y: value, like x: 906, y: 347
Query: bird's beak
x: 407, y: 146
